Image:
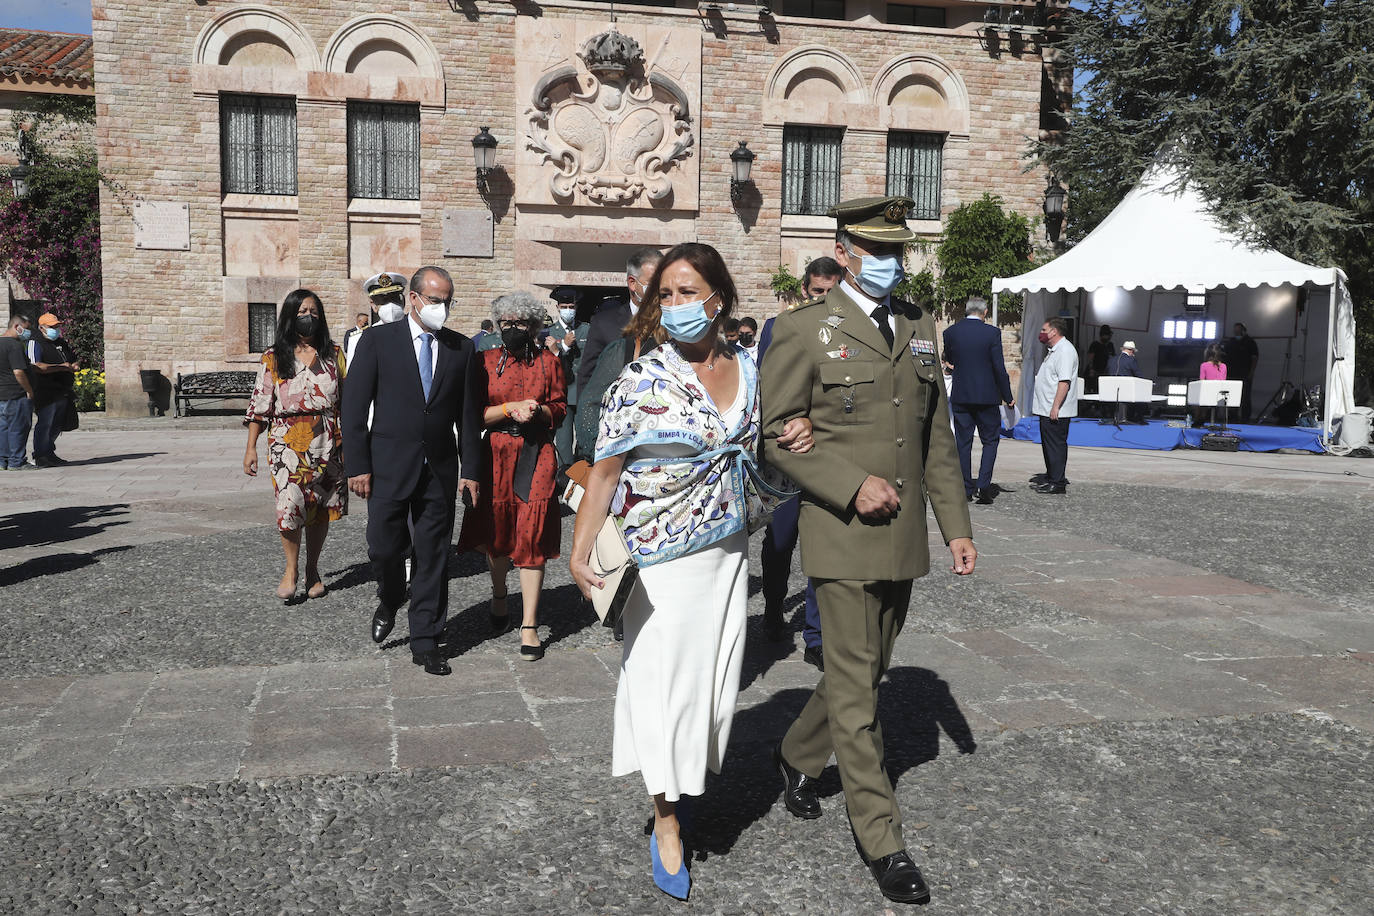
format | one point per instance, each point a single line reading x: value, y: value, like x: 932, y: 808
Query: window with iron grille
x: 257, y: 144
x: 914, y: 162
x: 810, y: 169
x: 262, y: 326
x: 383, y: 151
x: 814, y: 9
x: 928, y: 16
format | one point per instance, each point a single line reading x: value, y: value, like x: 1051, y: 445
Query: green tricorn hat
x: 878, y: 219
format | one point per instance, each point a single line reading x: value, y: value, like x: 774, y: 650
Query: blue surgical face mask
x: 50, y: 333
x: 687, y: 322
x: 25, y: 333
x: 879, y: 274
x: 568, y: 316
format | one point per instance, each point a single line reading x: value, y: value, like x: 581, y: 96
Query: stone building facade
x: 261, y: 147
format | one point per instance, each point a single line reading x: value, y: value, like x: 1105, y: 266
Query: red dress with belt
x: 502, y: 524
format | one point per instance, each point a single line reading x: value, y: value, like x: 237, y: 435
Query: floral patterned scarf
x: 670, y: 506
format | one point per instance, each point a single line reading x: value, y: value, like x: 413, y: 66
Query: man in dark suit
x: 974, y: 348
x: 609, y: 321
x: 424, y: 380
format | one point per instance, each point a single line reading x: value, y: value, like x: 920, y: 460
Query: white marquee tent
x: 1136, y: 269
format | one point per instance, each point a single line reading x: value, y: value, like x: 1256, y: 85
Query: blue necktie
x: 426, y: 363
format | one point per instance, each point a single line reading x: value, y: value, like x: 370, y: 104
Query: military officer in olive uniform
x: 863, y: 367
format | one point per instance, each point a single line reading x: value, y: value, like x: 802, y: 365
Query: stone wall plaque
x: 162, y: 225
x: 468, y: 233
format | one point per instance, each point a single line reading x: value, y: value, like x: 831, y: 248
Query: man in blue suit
x: 429, y: 390
x: 974, y: 349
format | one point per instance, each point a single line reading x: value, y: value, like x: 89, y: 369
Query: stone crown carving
x: 613, y: 129
x: 611, y: 53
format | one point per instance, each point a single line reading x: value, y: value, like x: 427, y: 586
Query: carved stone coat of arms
x: 614, y: 131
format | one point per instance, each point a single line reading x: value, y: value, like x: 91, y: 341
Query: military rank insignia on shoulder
x: 806, y: 303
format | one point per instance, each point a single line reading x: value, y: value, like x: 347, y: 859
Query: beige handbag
x: 612, y: 563
x: 609, y: 560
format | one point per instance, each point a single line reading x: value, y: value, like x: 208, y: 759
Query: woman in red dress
x: 517, y: 522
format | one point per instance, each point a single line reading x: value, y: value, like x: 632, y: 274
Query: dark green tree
x: 1265, y: 105
x: 981, y: 241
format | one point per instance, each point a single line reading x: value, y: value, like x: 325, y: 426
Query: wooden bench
x: 211, y: 386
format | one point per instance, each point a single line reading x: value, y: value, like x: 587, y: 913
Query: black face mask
x: 746, y: 340
x: 306, y: 325
x: 517, y: 340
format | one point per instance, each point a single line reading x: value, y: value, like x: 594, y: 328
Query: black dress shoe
x: 434, y: 662
x: 382, y: 622
x: 986, y: 495
x: 899, y: 879
x: 799, y: 790
x: 1056, y: 488
x: 815, y: 657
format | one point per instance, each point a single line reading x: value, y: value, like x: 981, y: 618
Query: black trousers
x: 1054, y: 444
x: 987, y: 419
x: 432, y: 509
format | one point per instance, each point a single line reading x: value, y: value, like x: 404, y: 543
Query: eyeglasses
x: 433, y: 301
x: 508, y: 323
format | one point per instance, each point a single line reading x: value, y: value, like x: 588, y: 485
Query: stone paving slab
x: 1118, y: 713
x: 1162, y: 817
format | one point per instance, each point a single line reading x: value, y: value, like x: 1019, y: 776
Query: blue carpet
x: 1160, y: 436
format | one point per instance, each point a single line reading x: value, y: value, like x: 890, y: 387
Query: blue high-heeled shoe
x: 678, y: 885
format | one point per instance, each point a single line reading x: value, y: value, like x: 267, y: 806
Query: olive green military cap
x: 878, y: 219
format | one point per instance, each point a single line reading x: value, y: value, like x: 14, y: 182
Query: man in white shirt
x: 1055, y: 402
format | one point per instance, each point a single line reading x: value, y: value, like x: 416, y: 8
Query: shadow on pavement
x: 57, y: 526
x: 50, y: 565
x: 110, y: 459
x: 914, y: 706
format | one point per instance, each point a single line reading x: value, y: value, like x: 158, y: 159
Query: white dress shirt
x: 417, y: 329
x: 867, y: 305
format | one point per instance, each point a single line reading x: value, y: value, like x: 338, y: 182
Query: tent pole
x: 1332, y: 307
x: 994, y: 310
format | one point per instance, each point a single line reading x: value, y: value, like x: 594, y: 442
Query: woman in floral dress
x: 297, y: 401
x: 517, y: 522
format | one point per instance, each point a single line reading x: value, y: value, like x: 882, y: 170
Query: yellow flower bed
x: 90, y: 389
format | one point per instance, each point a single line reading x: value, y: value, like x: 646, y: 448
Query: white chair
x: 1215, y: 393
x: 1123, y: 390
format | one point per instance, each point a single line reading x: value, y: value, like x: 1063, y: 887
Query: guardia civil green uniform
x: 875, y: 410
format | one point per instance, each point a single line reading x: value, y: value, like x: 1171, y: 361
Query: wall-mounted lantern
x: 484, y: 153
x: 1054, y: 208
x: 741, y: 164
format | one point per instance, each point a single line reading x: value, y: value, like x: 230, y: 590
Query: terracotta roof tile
x: 45, y: 55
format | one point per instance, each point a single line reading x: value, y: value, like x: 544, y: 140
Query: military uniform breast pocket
x: 848, y: 387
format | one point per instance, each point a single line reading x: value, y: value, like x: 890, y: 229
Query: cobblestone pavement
x: 1157, y: 695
